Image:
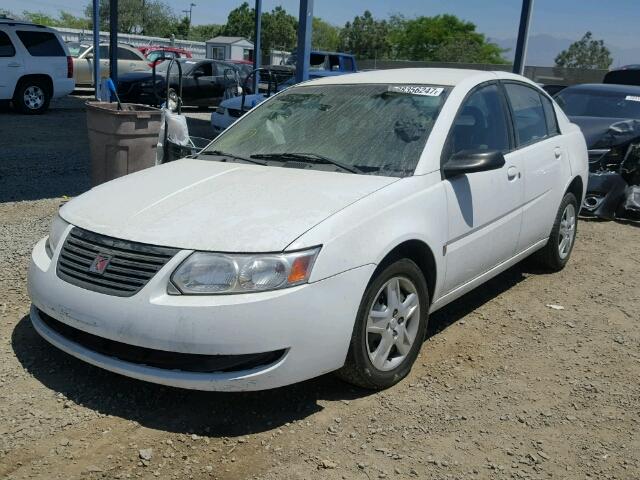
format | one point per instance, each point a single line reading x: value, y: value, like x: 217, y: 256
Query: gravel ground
x: 505, y: 386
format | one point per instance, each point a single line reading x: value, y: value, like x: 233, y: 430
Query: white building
x: 229, y: 48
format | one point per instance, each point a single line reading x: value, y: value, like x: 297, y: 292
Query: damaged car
x: 315, y: 234
x: 609, y: 116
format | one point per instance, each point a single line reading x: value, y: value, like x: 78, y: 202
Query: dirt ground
x: 505, y: 386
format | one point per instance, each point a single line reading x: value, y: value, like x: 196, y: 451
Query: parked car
x: 35, y: 66
x: 627, y: 75
x: 203, y: 83
x: 323, y: 64
x: 129, y: 60
x: 316, y: 234
x: 609, y: 116
x: 158, y: 54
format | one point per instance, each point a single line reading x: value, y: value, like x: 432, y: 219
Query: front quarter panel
x: 413, y: 208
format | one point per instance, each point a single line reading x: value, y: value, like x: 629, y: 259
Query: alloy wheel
x: 33, y: 97
x: 393, y: 323
x: 567, y: 231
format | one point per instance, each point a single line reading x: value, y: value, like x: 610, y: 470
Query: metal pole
x: 523, y: 37
x: 257, y: 45
x: 96, y: 48
x: 113, y: 41
x: 304, y: 40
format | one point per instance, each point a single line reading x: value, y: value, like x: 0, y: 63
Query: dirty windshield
x: 376, y: 129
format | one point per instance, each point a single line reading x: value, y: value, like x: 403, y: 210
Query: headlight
x: 56, y: 231
x: 205, y: 273
x: 220, y: 110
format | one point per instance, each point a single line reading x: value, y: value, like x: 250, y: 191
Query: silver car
x: 130, y: 60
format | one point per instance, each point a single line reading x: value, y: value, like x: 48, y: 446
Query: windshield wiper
x: 307, y: 157
x: 219, y: 153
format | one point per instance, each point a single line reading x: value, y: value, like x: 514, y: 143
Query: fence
x: 76, y: 35
x: 546, y: 75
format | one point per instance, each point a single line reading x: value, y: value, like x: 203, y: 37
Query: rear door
x: 484, y: 208
x: 11, y: 66
x: 129, y: 61
x: 543, y: 156
x: 46, y: 55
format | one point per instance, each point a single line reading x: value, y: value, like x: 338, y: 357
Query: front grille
x: 186, y: 362
x: 130, y: 265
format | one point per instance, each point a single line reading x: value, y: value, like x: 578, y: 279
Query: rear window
x: 6, y: 47
x: 41, y: 44
x: 125, y: 54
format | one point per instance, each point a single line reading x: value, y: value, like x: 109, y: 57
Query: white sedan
x: 316, y: 234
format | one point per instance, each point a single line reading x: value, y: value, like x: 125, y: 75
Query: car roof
x: 433, y: 76
x: 603, y: 87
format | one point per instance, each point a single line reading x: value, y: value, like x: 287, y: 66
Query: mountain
x: 543, y: 48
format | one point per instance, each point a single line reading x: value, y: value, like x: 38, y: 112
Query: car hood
x: 597, y: 133
x: 138, y: 77
x: 217, y: 206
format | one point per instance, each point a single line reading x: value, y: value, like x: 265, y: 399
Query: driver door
x: 203, y: 91
x: 484, y: 208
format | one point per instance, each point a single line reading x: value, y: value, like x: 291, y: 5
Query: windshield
x: 375, y: 129
x: 599, y: 104
x: 76, y: 49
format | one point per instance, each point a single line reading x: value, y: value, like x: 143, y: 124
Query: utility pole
x: 190, y: 11
x: 523, y: 37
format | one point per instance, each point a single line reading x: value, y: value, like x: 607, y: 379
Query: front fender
x: 413, y: 208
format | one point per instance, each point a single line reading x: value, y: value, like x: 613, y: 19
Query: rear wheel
x: 32, y: 97
x: 389, y: 329
x: 555, y: 255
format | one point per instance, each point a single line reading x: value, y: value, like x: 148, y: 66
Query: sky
x: 615, y: 21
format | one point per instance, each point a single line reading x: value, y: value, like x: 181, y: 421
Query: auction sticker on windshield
x: 417, y: 90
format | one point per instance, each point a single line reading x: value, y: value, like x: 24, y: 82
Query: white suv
x: 35, y: 65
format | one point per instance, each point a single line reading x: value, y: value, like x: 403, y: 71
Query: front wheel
x: 389, y: 329
x: 555, y: 254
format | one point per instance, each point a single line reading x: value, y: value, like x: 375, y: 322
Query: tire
x: 370, y: 339
x: 553, y: 256
x: 32, y: 97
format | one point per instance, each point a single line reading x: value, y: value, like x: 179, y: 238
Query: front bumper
x: 311, y: 323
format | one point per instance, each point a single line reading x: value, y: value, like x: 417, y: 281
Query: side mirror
x: 471, y: 161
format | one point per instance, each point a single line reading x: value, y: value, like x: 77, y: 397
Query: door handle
x: 513, y: 173
x: 557, y: 152
x: 13, y: 64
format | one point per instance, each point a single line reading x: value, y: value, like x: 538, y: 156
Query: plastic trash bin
x: 121, y: 141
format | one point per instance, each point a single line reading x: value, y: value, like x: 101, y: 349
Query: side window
x: 203, y: 70
x: 334, y: 63
x: 528, y: 113
x: 481, y: 123
x: 104, y: 52
x: 6, y: 47
x: 41, y: 44
x: 124, y: 54
x: 550, y: 116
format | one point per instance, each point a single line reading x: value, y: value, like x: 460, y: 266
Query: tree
x: 66, y: 19
x: 366, y: 37
x: 202, y: 33
x: 442, y: 38
x: 278, y: 27
x: 148, y: 17
x: 240, y: 22
x: 279, y: 30
x: 40, y: 18
x: 585, y: 53
x: 325, y: 36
